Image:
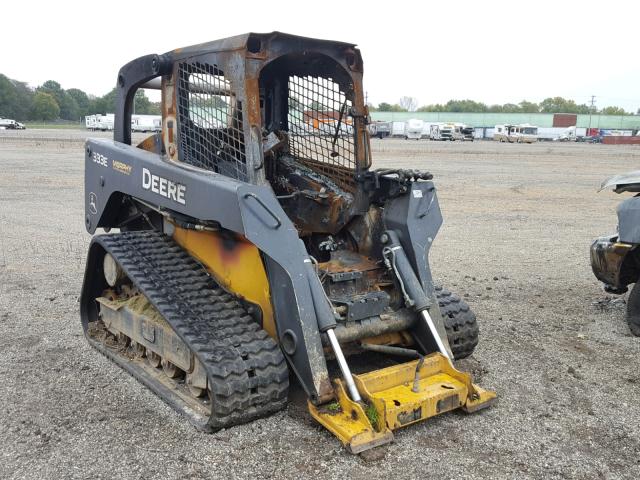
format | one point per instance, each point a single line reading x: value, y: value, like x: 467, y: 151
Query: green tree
x: 15, y: 99
x: 81, y: 99
x: 69, y: 109
x: 144, y: 106
x: 387, y: 107
x: 583, y: 108
x: 44, y: 107
x: 528, y: 107
x: 511, y: 108
x: 613, y: 111
x: 431, y: 108
x: 495, y: 108
x: 104, y: 104
x: 465, y: 106
x: 561, y: 105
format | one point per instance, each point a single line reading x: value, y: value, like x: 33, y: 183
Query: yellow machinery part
x: 236, y: 265
x: 391, y: 400
x: 348, y: 421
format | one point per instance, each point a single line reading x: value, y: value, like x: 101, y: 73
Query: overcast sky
x: 494, y: 52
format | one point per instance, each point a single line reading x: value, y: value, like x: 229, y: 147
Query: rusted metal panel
x: 565, y: 120
x: 621, y: 140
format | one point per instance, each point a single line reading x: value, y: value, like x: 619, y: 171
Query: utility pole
x: 593, y: 101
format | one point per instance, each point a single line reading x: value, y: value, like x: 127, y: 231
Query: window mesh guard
x: 320, y: 127
x: 210, y: 121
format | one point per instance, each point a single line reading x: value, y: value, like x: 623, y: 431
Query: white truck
x: 442, y: 131
x: 569, y: 135
x: 522, y: 133
x: 9, y: 124
x: 413, y: 129
x: 380, y: 129
x: 146, y: 123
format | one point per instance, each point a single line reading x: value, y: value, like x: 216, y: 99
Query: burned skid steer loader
x: 254, y: 240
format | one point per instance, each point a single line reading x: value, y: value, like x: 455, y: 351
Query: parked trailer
x: 523, y: 133
x: 413, y: 129
x: 482, y: 133
x: 398, y: 129
x: 426, y: 130
x: 99, y: 122
x: 146, y: 123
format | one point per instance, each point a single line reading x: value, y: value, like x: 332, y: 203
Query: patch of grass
x: 372, y: 415
x: 57, y: 126
x: 333, y: 407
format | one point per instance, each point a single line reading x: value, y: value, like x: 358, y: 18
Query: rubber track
x: 459, y: 321
x: 247, y: 372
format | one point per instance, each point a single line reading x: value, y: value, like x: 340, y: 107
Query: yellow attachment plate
x: 389, y: 392
x: 441, y: 388
x: 348, y: 421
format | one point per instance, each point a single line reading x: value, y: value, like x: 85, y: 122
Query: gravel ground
x: 518, y: 223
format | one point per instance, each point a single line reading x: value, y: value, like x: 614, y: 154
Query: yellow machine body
x: 235, y: 263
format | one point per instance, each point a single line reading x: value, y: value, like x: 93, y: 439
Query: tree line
x: 548, y: 105
x: 50, y: 102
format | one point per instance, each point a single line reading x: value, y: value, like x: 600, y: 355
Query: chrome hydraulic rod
x: 344, y: 367
x: 436, y: 336
x: 414, y: 295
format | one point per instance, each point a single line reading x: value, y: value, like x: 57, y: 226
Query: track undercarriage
x: 166, y: 321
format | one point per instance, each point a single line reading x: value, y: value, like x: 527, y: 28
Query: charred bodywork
x: 615, y: 259
x: 262, y: 175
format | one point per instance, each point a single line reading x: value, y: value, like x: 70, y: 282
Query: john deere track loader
x: 254, y: 241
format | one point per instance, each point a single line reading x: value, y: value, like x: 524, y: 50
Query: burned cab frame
x: 615, y: 259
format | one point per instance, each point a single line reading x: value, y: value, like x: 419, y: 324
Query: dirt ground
x: 518, y: 223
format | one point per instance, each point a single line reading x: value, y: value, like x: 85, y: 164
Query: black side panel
x: 416, y: 217
x: 288, y: 320
x: 113, y: 169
